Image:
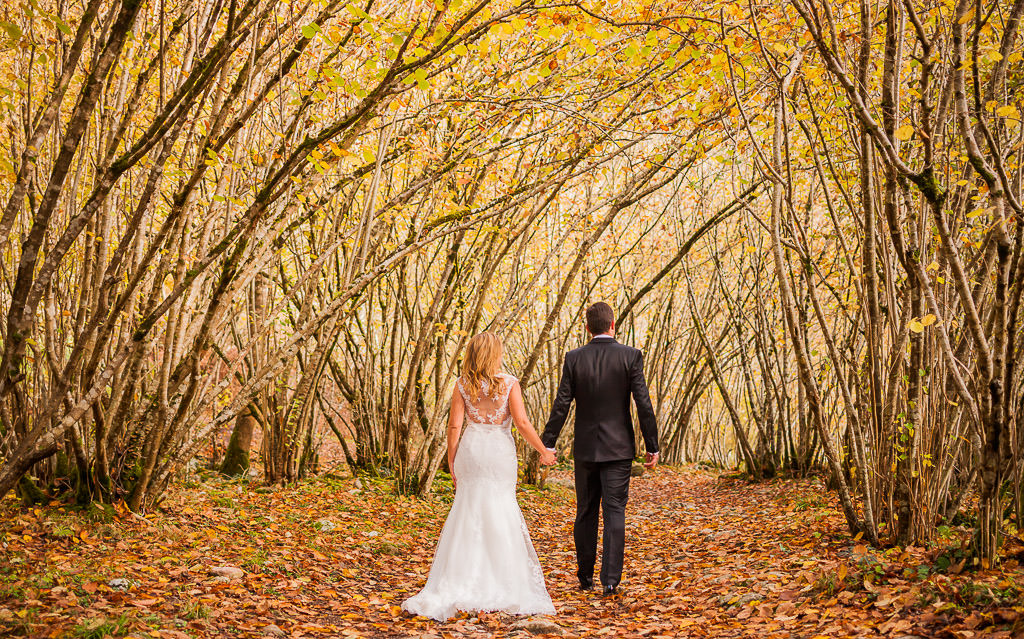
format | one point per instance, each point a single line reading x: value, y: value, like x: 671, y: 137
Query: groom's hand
x: 651, y: 461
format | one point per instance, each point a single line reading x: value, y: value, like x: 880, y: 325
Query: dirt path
x: 706, y: 557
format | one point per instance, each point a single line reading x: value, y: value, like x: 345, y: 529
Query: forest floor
x: 707, y: 556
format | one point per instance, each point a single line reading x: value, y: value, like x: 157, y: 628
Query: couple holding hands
x: 485, y: 560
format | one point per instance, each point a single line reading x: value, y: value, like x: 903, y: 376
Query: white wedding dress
x: 485, y: 560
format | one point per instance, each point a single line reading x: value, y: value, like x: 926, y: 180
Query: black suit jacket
x: 601, y: 377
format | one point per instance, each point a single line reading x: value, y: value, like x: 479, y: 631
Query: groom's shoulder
x: 630, y: 350
x: 577, y: 352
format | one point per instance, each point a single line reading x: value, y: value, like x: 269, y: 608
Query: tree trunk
x: 236, y: 459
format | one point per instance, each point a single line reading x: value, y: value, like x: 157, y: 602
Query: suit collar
x: 603, y: 339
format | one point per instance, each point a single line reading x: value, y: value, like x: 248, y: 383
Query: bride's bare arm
x: 456, y: 414
x: 518, y: 411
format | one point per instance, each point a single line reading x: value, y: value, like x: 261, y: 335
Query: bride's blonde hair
x: 481, y: 365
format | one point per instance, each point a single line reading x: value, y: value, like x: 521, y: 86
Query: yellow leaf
x: 915, y: 326
x: 1008, y: 111
x: 904, y: 132
x: 928, y: 320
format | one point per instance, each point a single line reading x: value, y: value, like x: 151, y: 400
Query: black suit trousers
x: 601, y: 487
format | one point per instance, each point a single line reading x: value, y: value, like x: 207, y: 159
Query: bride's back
x: 489, y: 405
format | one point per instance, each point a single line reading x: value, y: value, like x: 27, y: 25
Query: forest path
x: 707, y: 556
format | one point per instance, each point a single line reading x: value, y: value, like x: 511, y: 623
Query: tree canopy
x: 225, y: 216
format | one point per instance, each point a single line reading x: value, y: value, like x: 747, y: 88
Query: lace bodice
x: 490, y: 407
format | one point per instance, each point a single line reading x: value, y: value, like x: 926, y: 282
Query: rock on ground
x: 228, y: 572
x: 564, y: 483
x: 538, y: 626
x: 324, y: 525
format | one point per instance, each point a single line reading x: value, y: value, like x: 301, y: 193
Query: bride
x: 485, y: 560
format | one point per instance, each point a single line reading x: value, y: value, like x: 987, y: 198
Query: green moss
x: 236, y: 460
x: 29, y: 492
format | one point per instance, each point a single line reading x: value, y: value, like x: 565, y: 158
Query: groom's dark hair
x: 600, y: 318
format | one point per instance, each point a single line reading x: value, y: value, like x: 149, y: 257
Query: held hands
x: 651, y: 460
x: 547, y: 457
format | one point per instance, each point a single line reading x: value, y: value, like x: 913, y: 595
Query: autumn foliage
x: 707, y: 556
x: 232, y: 232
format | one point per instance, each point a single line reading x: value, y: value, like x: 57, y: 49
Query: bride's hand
x: 547, y: 458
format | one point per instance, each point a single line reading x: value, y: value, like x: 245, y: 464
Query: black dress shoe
x: 611, y: 591
x: 586, y: 587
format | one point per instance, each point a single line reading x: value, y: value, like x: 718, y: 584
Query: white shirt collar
x: 603, y: 336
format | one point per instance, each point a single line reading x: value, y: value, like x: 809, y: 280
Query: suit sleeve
x: 560, y: 408
x: 644, y: 408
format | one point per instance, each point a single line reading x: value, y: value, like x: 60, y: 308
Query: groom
x: 601, y: 376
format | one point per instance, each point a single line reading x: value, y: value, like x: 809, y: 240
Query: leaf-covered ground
x: 707, y: 556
